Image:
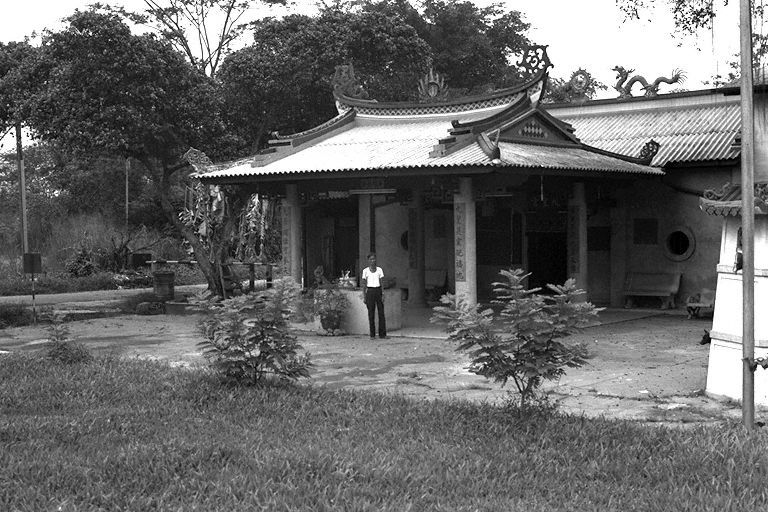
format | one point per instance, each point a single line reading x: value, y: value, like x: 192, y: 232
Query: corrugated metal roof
x: 686, y: 133
x: 371, y: 145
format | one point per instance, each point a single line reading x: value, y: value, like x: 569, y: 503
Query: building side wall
x: 675, y: 209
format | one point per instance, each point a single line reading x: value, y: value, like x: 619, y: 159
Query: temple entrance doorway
x: 331, y: 238
x: 547, y: 258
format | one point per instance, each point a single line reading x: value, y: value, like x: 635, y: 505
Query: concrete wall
x: 391, y: 223
x: 676, y: 210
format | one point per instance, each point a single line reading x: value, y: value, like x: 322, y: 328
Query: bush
x: 15, y: 315
x: 81, y: 264
x: 330, y: 305
x: 521, y: 341
x: 62, y: 350
x: 248, y: 340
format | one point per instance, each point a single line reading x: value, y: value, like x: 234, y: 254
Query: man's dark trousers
x: 374, y: 300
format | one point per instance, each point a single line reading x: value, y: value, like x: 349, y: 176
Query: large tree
x: 202, y: 30
x: 471, y: 46
x: 110, y: 93
x: 283, y: 80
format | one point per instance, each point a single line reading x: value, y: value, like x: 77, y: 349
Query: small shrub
x: 521, y: 342
x: 248, y: 340
x: 62, y: 350
x: 82, y: 263
x: 330, y: 304
x: 16, y: 315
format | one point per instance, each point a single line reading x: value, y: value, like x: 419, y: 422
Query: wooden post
x: 747, y: 217
x: 251, y: 277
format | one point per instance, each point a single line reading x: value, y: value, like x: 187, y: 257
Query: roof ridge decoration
x: 432, y: 87
x: 346, y: 83
x: 651, y: 90
x: 534, y: 62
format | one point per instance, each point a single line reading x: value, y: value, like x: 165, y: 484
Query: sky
x: 586, y: 34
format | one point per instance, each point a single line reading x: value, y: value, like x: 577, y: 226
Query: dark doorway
x: 547, y: 258
x: 345, y: 247
x: 494, y: 244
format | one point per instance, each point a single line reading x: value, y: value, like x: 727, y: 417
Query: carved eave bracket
x: 198, y: 160
x: 727, y: 200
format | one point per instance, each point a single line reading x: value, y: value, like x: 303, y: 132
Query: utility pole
x: 23, y: 187
x: 747, y: 217
x: 127, y: 170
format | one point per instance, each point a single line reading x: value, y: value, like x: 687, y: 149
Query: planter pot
x: 331, y: 321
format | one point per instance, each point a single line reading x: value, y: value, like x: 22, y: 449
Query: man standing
x: 373, y: 296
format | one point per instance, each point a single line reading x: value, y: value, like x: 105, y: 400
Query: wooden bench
x: 652, y: 284
x: 704, y: 299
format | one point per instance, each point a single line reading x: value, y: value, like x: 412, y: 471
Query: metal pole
x: 747, y: 217
x: 127, y: 169
x: 23, y: 187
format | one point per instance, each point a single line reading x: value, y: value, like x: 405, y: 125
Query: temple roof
x: 505, y: 131
x: 690, y: 127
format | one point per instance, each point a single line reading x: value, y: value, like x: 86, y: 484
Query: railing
x: 161, y: 264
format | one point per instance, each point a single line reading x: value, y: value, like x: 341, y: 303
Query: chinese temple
x: 447, y: 193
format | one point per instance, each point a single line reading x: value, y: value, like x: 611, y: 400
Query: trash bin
x: 164, y: 281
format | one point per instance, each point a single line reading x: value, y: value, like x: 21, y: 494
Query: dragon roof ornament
x: 624, y: 84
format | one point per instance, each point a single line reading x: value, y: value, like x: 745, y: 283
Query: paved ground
x: 644, y: 365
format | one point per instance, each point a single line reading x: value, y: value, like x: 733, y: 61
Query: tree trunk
x: 204, y: 263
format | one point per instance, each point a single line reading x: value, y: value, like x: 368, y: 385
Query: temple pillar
x: 577, y: 237
x: 291, y: 233
x: 465, y: 241
x: 416, y: 251
x: 365, y: 235
x: 619, y: 231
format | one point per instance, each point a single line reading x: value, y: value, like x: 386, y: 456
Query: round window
x: 680, y: 244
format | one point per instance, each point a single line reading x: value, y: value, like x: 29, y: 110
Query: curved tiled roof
x: 686, y: 132
x: 373, y: 145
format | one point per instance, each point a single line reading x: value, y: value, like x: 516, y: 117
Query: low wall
x: 355, y: 319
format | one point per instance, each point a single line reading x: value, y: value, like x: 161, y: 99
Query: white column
x: 291, y: 233
x: 577, y: 237
x: 465, y: 241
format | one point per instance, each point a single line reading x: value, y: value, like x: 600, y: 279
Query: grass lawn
x: 131, y: 435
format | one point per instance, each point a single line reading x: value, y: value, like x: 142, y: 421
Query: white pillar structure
x: 465, y: 241
x: 291, y: 233
x: 577, y: 237
x: 724, y: 372
x: 725, y: 357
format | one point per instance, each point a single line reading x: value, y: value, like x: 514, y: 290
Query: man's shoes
x: 385, y: 337
x: 373, y: 337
